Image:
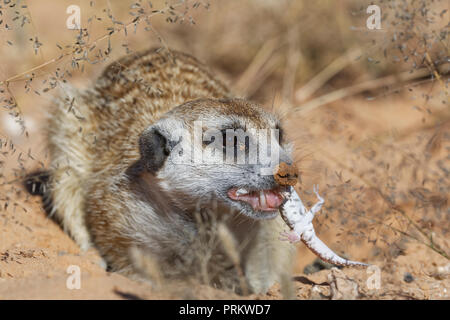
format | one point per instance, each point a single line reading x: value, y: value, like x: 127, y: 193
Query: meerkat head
x: 224, y: 150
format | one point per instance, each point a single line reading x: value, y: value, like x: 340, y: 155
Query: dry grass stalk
x: 326, y: 74
x: 368, y: 85
x: 429, y: 240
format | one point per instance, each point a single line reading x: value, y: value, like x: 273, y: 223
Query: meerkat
x: 114, y: 183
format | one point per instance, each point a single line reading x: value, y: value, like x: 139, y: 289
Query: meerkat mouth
x: 260, y: 200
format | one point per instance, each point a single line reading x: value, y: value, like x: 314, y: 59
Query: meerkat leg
x: 67, y: 206
x: 69, y: 148
x: 61, y: 200
x: 268, y: 259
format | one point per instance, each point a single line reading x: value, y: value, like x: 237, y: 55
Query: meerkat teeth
x: 262, y: 199
x: 241, y: 191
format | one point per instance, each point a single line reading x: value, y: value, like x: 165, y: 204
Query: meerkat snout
x: 286, y: 174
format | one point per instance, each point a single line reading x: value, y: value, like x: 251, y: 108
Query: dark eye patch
x: 280, y: 133
x: 207, y: 143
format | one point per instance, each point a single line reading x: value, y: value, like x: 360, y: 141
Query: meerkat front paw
x: 82, y: 238
x: 290, y: 236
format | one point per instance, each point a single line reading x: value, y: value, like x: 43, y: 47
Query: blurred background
x: 367, y: 108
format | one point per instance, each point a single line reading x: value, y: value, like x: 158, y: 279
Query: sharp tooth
x: 241, y: 191
x: 262, y: 199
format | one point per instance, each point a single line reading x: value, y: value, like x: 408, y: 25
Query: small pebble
x: 318, y: 265
x: 408, y: 277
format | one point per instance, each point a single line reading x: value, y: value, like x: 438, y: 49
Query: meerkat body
x: 113, y: 182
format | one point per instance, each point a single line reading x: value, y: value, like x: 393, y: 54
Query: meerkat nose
x: 286, y: 174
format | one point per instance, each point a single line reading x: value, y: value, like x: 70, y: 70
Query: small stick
x: 299, y: 220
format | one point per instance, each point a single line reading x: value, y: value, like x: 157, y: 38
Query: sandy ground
x: 35, y: 255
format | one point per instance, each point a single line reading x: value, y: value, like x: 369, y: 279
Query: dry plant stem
x: 35, y: 29
x: 27, y: 73
x: 433, y: 246
x: 326, y: 74
x: 16, y: 105
x: 368, y: 85
x: 263, y: 64
x: 436, y: 74
x: 256, y: 65
x: 262, y: 68
x: 294, y: 57
x: 264, y: 73
x: 399, y: 231
x: 19, y: 76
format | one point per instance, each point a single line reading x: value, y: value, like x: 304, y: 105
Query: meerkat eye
x: 207, y: 143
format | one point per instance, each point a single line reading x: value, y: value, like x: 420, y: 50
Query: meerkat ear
x: 154, y: 148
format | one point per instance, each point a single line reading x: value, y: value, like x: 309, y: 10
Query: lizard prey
x: 299, y: 220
